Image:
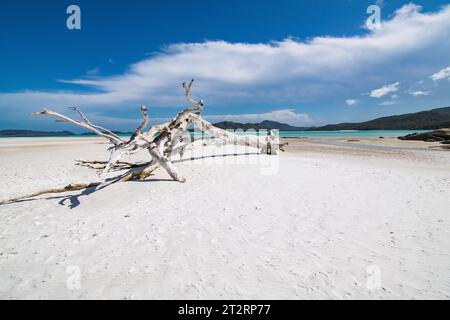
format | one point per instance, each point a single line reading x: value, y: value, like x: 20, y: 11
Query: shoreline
x: 283, y: 134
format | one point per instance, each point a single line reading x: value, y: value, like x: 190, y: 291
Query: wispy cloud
x: 419, y: 93
x: 442, y: 74
x: 384, y: 90
x: 93, y: 72
x: 388, y: 103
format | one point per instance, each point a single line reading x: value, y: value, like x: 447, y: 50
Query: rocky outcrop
x: 440, y: 135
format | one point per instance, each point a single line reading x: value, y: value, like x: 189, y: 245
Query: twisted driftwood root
x: 162, y: 142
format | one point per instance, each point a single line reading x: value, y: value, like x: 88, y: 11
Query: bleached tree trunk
x: 162, y: 142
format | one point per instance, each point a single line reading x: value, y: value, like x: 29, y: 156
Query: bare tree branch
x: 187, y: 89
x: 95, y: 126
x: 113, y: 139
x: 162, y: 142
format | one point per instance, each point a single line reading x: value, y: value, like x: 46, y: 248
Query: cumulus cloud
x: 288, y: 116
x: 442, y: 74
x: 384, y: 90
x: 351, y: 102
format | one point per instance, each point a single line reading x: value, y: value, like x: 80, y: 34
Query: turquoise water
x: 349, y: 133
x: 338, y: 134
x: 309, y: 134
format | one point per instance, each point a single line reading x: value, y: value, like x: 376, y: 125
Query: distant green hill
x: 31, y: 133
x: 425, y: 120
x: 265, y: 125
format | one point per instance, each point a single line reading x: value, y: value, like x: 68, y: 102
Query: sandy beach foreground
x: 340, y: 220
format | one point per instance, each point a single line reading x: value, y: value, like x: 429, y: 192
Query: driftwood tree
x: 162, y: 143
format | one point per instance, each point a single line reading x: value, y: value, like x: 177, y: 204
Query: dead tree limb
x: 187, y: 89
x: 113, y: 139
x: 93, y: 125
x: 70, y: 187
x: 162, y: 142
x: 140, y: 172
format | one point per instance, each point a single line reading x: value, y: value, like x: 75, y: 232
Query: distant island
x: 32, y: 133
x: 424, y: 120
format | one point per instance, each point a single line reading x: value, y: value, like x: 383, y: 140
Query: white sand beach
x: 363, y: 220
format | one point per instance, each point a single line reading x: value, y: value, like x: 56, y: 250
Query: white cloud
x: 351, y: 102
x: 384, y: 90
x: 419, y: 93
x: 93, y: 72
x: 288, y: 116
x: 388, y: 103
x: 444, y: 73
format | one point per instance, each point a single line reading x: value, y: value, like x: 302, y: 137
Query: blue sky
x: 301, y: 62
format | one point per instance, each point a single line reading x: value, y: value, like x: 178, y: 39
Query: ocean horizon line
x: 283, y: 134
